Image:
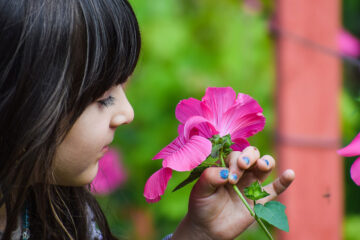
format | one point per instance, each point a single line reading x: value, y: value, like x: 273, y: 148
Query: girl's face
x: 77, y: 157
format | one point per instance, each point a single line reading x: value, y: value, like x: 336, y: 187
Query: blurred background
x: 188, y: 46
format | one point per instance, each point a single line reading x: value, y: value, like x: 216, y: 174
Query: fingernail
x: 233, y: 176
x: 224, y: 173
x: 267, y: 162
x: 246, y: 160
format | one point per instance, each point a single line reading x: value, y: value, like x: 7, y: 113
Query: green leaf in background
x: 274, y: 213
x: 255, y: 191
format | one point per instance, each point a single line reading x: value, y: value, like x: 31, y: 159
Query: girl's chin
x: 83, y: 179
x: 89, y: 175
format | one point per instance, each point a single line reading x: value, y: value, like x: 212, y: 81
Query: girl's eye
x: 107, y: 101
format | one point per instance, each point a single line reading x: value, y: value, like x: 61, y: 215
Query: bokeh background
x: 188, y: 46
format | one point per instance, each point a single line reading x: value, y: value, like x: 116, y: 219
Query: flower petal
x: 111, y: 174
x: 239, y: 115
x: 155, y: 186
x: 188, y: 108
x: 182, y: 155
x: 353, y: 149
x: 181, y: 129
x: 348, y: 44
x: 244, y: 99
x: 219, y: 100
x: 246, y: 126
x: 355, y: 171
x: 174, y: 146
x: 240, y: 144
x: 199, y: 126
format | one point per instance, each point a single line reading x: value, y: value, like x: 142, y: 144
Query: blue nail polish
x: 267, y: 162
x: 246, y: 160
x: 224, y: 173
x: 233, y: 176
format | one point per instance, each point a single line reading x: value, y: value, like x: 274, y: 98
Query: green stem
x: 252, y: 213
x: 262, y: 225
x: 222, y: 158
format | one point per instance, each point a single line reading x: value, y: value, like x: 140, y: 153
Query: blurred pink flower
x: 219, y: 112
x: 348, y: 44
x: 253, y: 6
x: 111, y: 174
x: 353, y: 149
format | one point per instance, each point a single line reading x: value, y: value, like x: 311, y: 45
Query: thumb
x: 210, y: 180
x: 278, y: 186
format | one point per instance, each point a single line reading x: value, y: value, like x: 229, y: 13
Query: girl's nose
x: 123, y: 114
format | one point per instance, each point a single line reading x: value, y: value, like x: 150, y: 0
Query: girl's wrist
x: 190, y: 231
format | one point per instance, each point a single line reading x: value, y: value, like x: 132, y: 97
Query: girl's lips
x: 105, y: 149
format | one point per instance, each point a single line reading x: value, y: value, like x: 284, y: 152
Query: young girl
x: 62, y: 66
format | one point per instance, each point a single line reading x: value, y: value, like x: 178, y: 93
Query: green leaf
x: 274, y: 213
x: 255, y: 191
x: 227, y: 141
x: 194, y: 174
x: 227, y: 145
x: 215, y: 150
x: 215, y: 139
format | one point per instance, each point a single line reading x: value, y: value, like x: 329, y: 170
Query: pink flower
x: 348, y: 44
x: 219, y: 112
x: 353, y: 149
x: 111, y: 174
x: 253, y: 6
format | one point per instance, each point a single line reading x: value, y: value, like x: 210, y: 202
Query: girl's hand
x: 215, y: 210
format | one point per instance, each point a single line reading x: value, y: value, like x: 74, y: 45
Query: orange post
x: 308, y: 117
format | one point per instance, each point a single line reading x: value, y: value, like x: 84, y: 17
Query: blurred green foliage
x: 190, y: 45
x: 350, y: 105
x: 351, y: 15
x: 351, y: 227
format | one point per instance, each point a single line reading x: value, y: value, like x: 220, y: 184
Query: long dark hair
x: 56, y: 57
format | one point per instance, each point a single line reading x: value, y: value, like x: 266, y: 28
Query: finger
x: 248, y: 157
x: 278, y: 186
x: 259, y: 172
x: 235, y: 171
x: 232, y: 155
x: 263, y: 167
x: 210, y: 180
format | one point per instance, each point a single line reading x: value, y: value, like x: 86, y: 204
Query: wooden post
x: 308, y: 117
